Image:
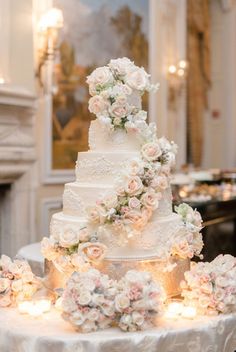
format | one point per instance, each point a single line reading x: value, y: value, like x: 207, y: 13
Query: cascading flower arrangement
x: 92, y: 301
x: 72, y: 250
x: 211, y: 287
x: 17, y: 282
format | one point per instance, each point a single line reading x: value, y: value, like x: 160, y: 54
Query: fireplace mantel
x: 17, y: 167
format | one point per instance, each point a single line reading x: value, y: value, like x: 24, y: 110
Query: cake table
x: 21, y: 333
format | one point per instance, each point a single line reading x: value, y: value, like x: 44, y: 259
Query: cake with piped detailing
x: 117, y: 216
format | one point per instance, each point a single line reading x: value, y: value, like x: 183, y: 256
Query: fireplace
x: 17, y: 169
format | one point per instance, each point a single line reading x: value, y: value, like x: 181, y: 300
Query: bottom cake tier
x: 168, y: 273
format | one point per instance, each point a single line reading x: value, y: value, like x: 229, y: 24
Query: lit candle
x: 174, y: 310
x: 44, y: 305
x: 189, y: 312
x: 23, y: 307
x: 35, y: 311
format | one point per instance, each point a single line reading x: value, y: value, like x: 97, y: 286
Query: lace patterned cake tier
x: 77, y: 197
x: 101, y: 139
x: 154, y: 241
x: 102, y: 167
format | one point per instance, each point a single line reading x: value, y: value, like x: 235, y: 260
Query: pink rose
x: 97, y: 105
x: 150, y: 200
x: 134, y: 203
x: 119, y: 110
x: 137, y: 219
x: 93, y: 251
x: 151, y: 151
x: 100, y: 76
x: 133, y: 186
x: 162, y: 182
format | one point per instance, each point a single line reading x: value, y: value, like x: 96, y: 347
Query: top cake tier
x: 101, y: 139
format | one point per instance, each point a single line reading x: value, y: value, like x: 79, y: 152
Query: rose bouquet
x: 211, y: 287
x: 17, y: 282
x: 88, y: 301
x: 138, y: 301
x: 72, y: 250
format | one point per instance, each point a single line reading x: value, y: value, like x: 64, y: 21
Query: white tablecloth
x: 21, y: 333
x: 33, y: 255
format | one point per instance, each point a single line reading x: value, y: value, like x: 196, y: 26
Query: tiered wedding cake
x: 118, y: 215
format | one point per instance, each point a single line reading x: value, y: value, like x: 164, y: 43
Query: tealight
x: 189, y: 312
x: 175, y: 308
x: 34, y: 308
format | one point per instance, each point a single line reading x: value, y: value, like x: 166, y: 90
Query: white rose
x: 162, y: 182
x: 78, y: 318
x: 137, y: 318
x: 5, y: 300
x: 68, y: 305
x: 117, y: 121
x: 121, y: 65
x: 134, y: 203
x: 137, y: 79
x: 100, y: 76
x: 87, y: 283
x: 108, y: 309
x: 69, y: 237
x: 93, y: 314
x: 48, y: 248
x: 84, y: 297
x: 151, y: 151
x: 4, y: 284
x: 119, y: 110
x: 133, y: 185
x: 110, y: 200
x: 97, y: 105
x: 5, y: 261
x: 88, y: 326
x: 98, y: 299
x: 221, y: 281
x: 126, y: 319
x: 84, y: 235
x: 27, y: 276
x: 77, y: 261
x: 136, y: 167
x: 150, y: 200
x: 121, y: 302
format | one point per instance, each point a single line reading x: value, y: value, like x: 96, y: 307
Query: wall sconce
x: 176, y: 82
x: 48, y: 28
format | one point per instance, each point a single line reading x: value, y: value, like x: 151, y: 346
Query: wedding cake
x: 117, y: 215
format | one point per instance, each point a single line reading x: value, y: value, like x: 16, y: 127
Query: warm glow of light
x: 172, y: 69
x: 182, y: 64
x: 175, y: 307
x: 51, y: 19
x: 2, y: 80
x: 189, y: 312
x: 180, y: 72
x: 34, y: 308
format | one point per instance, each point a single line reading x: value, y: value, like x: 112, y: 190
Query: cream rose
x: 151, y: 151
x: 100, y: 76
x: 137, y: 79
x: 110, y: 200
x: 5, y: 300
x: 136, y: 218
x: 69, y: 237
x: 84, y: 297
x: 17, y: 285
x: 137, y: 318
x: 97, y: 104
x: 150, y: 200
x: 162, y: 182
x: 84, y: 235
x: 121, y: 302
x: 78, y: 318
x: 133, y: 185
x: 121, y: 65
x: 48, y: 249
x: 4, y: 284
x: 119, y: 110
x: 93, y: 314
x: 93, y: 251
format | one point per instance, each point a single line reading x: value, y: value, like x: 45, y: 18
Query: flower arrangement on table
x: 91, y: 301
x: 211, y: 287
x: 17, y: 282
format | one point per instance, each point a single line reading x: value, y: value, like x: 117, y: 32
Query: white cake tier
x: 102, y: 167
x: 101, y: 139
x: 153, y: 242
x: 78, y: 197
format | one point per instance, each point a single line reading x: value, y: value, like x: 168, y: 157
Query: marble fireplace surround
x: 17, y: 168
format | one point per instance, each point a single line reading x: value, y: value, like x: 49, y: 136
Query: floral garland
x: 72, y: 249
x: 17, y: 282
x: 187, y: 240
x: 92, y: 301
x: 211, y: 287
